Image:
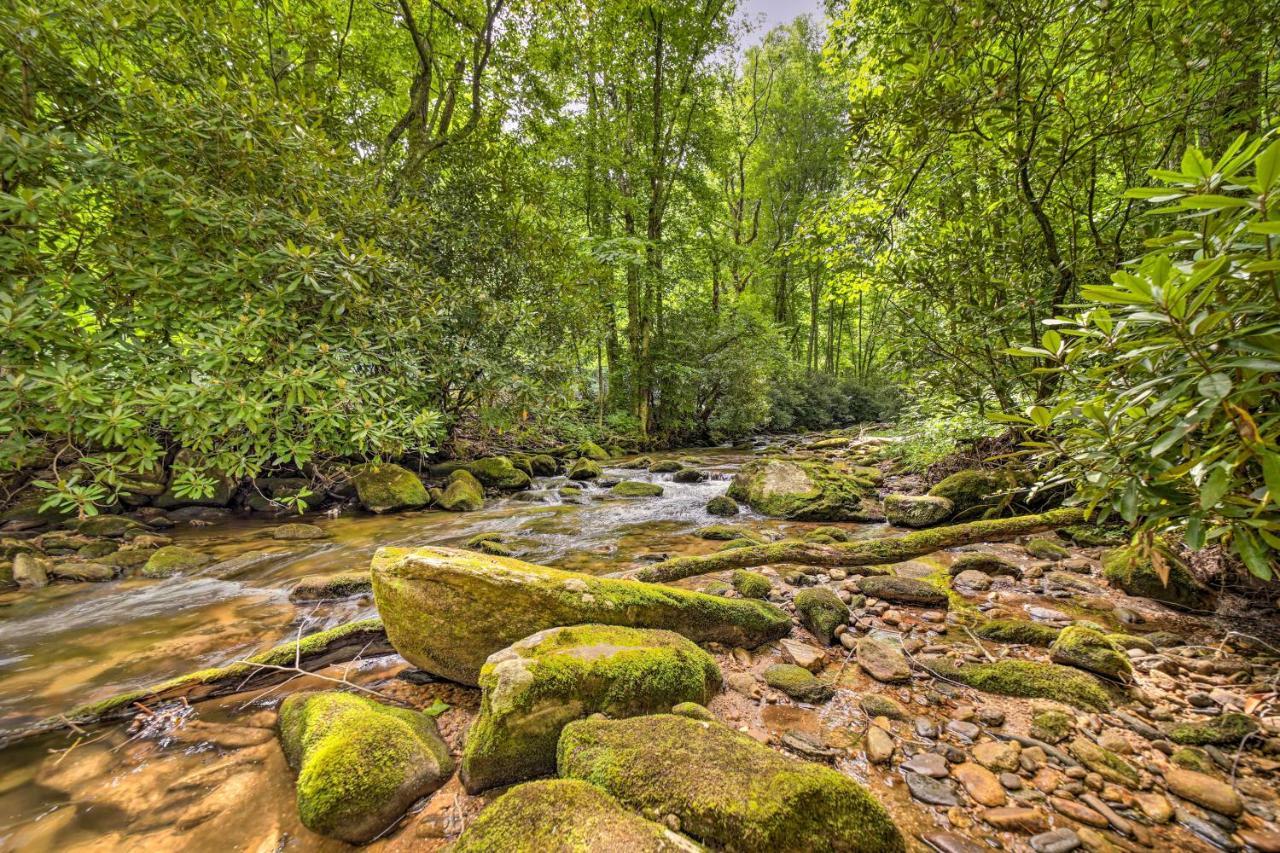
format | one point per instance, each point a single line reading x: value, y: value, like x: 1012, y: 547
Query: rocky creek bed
x: 786, y: 692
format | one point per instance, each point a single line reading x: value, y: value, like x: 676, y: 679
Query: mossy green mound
x: 329, y: 587
x: 1046, y: 549
x: 499, y: 472
x: 386, y: 487
x: 1030, y: 680
x: 563, y: 816
x: 803, y: 490
x: 298, y: 532
x: 1092, y: 535
x: 1017, y: 631
x: 835, y: 534
x: 636, y: 489
x: 665, y: 466
x: 798, y: 683
x: 722, y: 506
x: 591, y: 450
x: 973, y: 488
x: 1130, y: 641
x: 108, y: 525
x: 585, y: 469
x: 724, y: 533
x: 727, y: 790
x: 1228, y: 729
x: 880, y: 705
x: 1088, y: 649
x: 988, y: 564
x: 903, y: 591
x: 1052, y: 726
x: 537, y: 685
x: 821, y: 612
x: 751, y: 584
x: 543, y: 465
x: 462, y: 493
x: 1104, y: 762
x: 1190, y: 758
x: 447, y: 610
x: 1127, y: 569
x: 917, y: 510
x: 173, y: 560
x: 360, y: 763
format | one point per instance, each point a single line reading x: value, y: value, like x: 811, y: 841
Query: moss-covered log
x: 892, y: 549
x: 311, y: 653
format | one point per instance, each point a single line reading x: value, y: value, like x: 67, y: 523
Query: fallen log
x: 311, y: 653
x: 893, y: 549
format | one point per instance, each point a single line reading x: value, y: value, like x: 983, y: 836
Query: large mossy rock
x: 173, y: 560
x: 903, y: 590
x: 591, y: 450
x: 585, y: 469
x: 386, y: 487
x: 462, y: 493
x: 360, y: 764
x: 1017, y: 631
x: 973, y: 488
x: 727, y: 790
x: 1029, y: 680
x: 564, y: 816
x: 821, y: 611
x: 499, y: 472
x: 804, y: 490
x: 917, y: 510
x: 534, y: 687
x: 1090, y: 650
x: 447, y: 610
x: 1128, y: 570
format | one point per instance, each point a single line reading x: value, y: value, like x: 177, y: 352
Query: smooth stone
x: 996, y: 755
x: 803, y: 654
x: 882, y: 661
x: 964, y: 730
x: 1020, y: 818
x: 1061, y: 840
x: 1078, y: 812
x: 980, y: 783
x: 935, y: 792
x: 929, y: 764
x: 879, y: 745
x: 1204, y: 791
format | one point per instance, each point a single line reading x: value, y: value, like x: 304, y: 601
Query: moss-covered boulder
x: 917, y: 510
x: 688, y: 475
x: 499, y: 472
x: 360, y: 764
x: 903, y: 590
x: 1046, y: 549
x: 804, y: 490
x: 821, y: 611
x: 385, y: 487
x: 331, y: 587
x: 988, y: 564
x: 1228, y: 729
x: 972, y: 489
x: 565, y: 816
x: 1052, y: 726
x: 722, y: 506
x: 535, y: 686
x: 585, y: 469
x: 665, y: 466
x: 798, y: 683
x: 636, y: 489
x: 1029, y: 680
x: 751, y: 584
x: 174, y: 560
x: 724, y: 533
x: 462, y: 493
x: 1088, y: 649
x: 1103, y: 761
x: 593, y: 451
x: 298, y: 532
x: 543, y: 465
x: 109, y: 525
x: 727, y: 790
x: 1127, y: 569
x: 447, y: 610
x: 1017, y: 631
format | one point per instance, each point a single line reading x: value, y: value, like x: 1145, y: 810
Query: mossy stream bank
x: 946, y: 725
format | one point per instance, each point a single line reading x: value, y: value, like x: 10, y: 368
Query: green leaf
x: 1213, y: 488
x: 1215, y: 386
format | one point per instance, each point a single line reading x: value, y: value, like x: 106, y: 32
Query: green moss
x: 973, y: 488
x: 717, y: 587
x: 665, y: 466
x: 591, y: 450
x: 1127, y: 569
x: 821, y: 612
x: 447, y: 610
x: 738, y: 543
x: 1129, y: 641
x: 1089, y: 649
x: 360, y: 763
x: 108, y: 525
x: 386, y: 487
x: 97, y: 549
x: 1052, y: 726
x: 1092, y: 535
x: 1046, y: 549
x: 803, y: 490
x: 798, y: 683
x: 562, y: 815
x: 988, y: 564
x: 536, y: 686
x: 1030, y: 680
x: 1228, y: 729
x: 724, y: 532
x: 636, y: 489
x: 172, y: 560
x: 462, y: 493
x: 903, y: 591
x: 1192, y: 759
x: 722, y: 506
x: 499, y: 472
x: 544, y: 465
x: 328, y: 587
x: 751, y: 584
x: 727, y: 790
x: 585, y: 469
x: 880, y: 705
x: 298, y: 532
x: 127, y: 559
x: 692, y: 710
x: 917, y: 510
x: 1017, y: 631
x: 1104, y: 762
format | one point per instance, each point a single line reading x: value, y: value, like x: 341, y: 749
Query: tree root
x: 893, y: 549
x: 277, y: 664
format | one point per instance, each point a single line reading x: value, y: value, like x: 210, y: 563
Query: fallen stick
x: 280, y: 663
x: 870, y: 552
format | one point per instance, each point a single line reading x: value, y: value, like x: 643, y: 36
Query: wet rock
x: 810, y: 746
x: 931, y: 790
x: 173, y: 560
x: 798, y: 683
x: 636, y: 489
x: 722, y: 506
x: 980, y: 783
x: 1204, y: 790
x: 83, y: 572
x: 1078, y: 812
x: 821, y: 612
x: 1061, y: 840
x: 1017, y: 818
x: 879, y: 745
x: 688, y: 475
x: 925, y: 728
x: 1127, y: 569
x: 295, y: 532
x: 1156, y: 807
x: 531, y: 689
x: 1046, y: 549
x: 585, y: 469
x: 880, y: 705
x: 109, y: 525
x: 462, y: 493
x: 903, y: 591
x: 30, y: 571
x: 726, y: 789
x: 360, y: 764
x: 804, y: 490
x: 557, y: 814
x: 929, y: 764
x: 882, y: 661
x: 998, y: 755
x: 1206, y: 830
x: 964, y: 730
x: 949, y: 842
x: 801, y: 654
x: 971, y: 580
x: 447, y: 610
x: 917, y: 510
x: 387, y: 487
x: 742, y: 682
x: 1105, y: 763
x: 1087, y: 649
x: 1267, y: 842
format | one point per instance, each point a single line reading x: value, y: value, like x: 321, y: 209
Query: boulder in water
x: 386, y: 487
x: 462, y: 493
x: 917, y: 510
x: 804, y: 490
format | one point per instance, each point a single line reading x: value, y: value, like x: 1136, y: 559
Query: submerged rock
x: 564, y: 815
x: 917, y: 510
x: 447, y: 610
x: 636, y: 489
x: 727, y: 790
x: 537, y: 685
x: 798, y: 683
x: 988, y: 564
x: 172, y: 560
x: 298, y: 532
x: 328, y: 587
x: 360, y: 763
x: 386, y: 487
x: 804, y: 491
